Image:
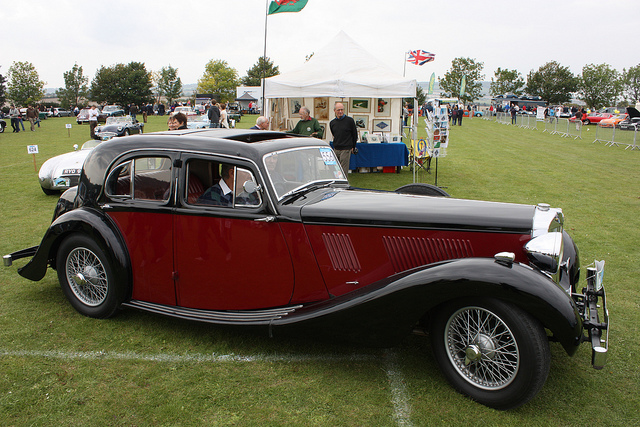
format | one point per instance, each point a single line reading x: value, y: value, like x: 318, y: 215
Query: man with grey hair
x: 307, y: 125
x: 262, y: 123
x: 345, y: 136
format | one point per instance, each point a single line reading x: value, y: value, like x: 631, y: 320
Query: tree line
x: 125, y: 84
x: 598, y: 85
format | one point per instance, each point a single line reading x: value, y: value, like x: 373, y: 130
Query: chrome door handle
x: 269, y: 218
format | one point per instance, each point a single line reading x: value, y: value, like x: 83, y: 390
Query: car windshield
x: 117, y: 120
x: 290, y: 170
x: 202, y: 118
x: 110, y: 108
x: 92, y: 143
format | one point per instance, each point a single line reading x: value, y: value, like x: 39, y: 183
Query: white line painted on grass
x: 182, y: 358
x: 399, y: 394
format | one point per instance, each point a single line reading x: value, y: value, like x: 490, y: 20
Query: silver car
x: 62, y: 172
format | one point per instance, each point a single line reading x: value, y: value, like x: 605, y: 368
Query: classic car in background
x: 632, y: 122
x: 613, y: 120
x: 62, y: 172
x: 118, y: 126
x: 198, y: 122
x: 186, y: 110
x: 186, y: 223
x: 593, y: 117
x: 233, y: 111
x: 112, y: 111
x: 61, y: 112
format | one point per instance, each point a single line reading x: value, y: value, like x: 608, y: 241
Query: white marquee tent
x: 342, y: 69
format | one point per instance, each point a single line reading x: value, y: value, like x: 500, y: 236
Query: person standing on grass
x: 31, y: 116
x: 93, y: 121
x: 345, y: 136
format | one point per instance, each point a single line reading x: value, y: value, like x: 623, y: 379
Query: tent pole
x: 264, y: 57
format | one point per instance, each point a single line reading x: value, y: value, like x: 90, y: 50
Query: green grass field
x: 60, y: 368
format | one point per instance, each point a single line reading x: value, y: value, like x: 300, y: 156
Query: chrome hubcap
x: 482, y: 348
x: 87, y: 277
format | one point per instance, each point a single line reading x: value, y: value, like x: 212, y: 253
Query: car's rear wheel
x: 87, y: 277
x: 422, y: 189
x: 586, y: 122
x: 492, y: 351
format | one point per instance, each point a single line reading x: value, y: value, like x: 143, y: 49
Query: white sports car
x: 62, y: 172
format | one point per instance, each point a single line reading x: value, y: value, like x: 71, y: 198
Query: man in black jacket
x: 345, y: 136
x: 214, y: 114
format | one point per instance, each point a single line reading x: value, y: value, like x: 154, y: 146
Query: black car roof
x: 249, y: 144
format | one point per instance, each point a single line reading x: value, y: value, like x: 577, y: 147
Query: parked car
x: 233, y: 111
x: 476, y: 113
x: 61, y: 172
x: 198, y: 122
x: 592, y: 118
x: 118, y: 126
x: 149, y: 227
x: 187, y: 111
x: 112, y: 111
x: 613, y: 120
x: 632, y: 122
x: 3, y: 125
x: 83, y: 117
x: 60, y: 112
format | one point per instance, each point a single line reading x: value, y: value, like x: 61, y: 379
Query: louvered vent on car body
x: 343, y: 256
x: 409, y: 252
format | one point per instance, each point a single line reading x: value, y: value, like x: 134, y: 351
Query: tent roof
x: 246, y: 97
x: 341, y: 69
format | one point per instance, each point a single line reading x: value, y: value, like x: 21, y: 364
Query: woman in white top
x: 224, y: 123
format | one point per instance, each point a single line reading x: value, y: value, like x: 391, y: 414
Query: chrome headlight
x: 545, y: 253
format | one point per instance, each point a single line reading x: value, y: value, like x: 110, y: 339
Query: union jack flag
x: 420, y: 57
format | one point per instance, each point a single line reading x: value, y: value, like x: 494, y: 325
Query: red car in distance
x: 592, y: 118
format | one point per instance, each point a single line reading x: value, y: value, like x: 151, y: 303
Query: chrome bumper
x: 7, y: 260
x: 595, y: 317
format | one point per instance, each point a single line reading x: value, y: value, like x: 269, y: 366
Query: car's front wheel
x: 492, y: 351
x: 586, y: 122
x: 87, y: 277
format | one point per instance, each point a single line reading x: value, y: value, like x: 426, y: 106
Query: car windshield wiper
x: 300, y: 191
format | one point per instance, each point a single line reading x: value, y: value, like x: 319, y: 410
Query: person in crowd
x: 93, y: 121
x: 579, y: 114
x: 133, y: 111
x: 224, y: 122
x: 345, y: 136
x: 262, y: 123
x: 307, y: 125
x: 514, y: 110
x: 172, y: 123
x: 14, y: 113
x: 405, y: 114
x: 32, y: 114
x: 214, y: 114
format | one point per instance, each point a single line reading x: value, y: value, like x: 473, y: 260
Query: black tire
x: 469, y: 358
x: 421, y: 189
x: 127, y: 132
x: 50, y: 192
x: 87, y: 277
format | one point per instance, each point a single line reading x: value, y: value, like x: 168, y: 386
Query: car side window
x: 220, y: 184
x: 145, y: 178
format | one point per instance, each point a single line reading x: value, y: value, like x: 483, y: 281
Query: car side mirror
x: 250, y: 187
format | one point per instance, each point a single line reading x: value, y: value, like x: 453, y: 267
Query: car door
x: 227, y: 256
x: 138, y: 200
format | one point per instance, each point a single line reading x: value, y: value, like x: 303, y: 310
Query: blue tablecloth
x: 382, y: 154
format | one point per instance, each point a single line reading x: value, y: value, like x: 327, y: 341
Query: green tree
x: 552, y: 82
x: 2, y: 90
x: 506, y: 81
x: 168, y: 84
x: 75, y: 88
x: 255, y: 73
x: 599, y: 85
x: 472, y: 71
x: 219, y: 79
x: 631, y: 83
x: 25, y: 86
x: 122, y: 84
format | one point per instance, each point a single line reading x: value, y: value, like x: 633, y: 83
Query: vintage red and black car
x: 262, y: 229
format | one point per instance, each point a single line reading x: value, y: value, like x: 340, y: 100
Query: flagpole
x: 264, y: 56
x: 404, y: 71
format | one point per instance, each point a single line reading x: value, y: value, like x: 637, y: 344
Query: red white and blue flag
x: 420, y: 57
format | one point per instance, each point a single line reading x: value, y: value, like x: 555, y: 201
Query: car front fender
x: 384, y: 312
x: 83, y: 220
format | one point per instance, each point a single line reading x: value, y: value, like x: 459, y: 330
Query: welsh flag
x: 278, y: 6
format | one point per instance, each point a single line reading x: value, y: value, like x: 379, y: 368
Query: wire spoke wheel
x: 87, y: 277
x: 482, y: 348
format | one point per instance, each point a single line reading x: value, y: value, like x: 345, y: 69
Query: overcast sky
x: 53, y: 35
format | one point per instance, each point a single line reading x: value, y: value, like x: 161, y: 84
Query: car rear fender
x: 86, y: 221
x: 388, y: 310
